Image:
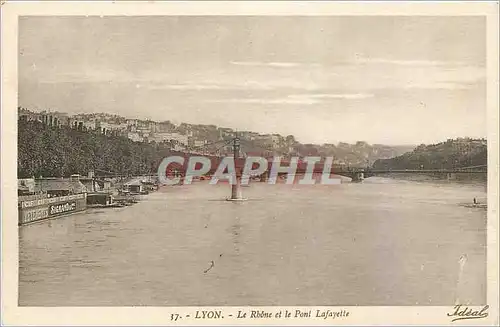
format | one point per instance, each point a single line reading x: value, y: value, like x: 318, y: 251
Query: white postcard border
x: 12, y: 314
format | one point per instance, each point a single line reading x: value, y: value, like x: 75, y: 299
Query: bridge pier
x: 236, y: 188
x: 357, y: 177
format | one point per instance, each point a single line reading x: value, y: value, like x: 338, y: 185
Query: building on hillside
x: 248, y: 135
x: 479, y: 142
x: 178, y: 147
x: 131, y: 125
x: 169, y: 137
x: 80, y: 124
x: 264, y: 137
x: 47, y: 117
x: 25, y: 115
x: 199, y: 143
x: 265, y: 141
x: 225, y: 132
x: 152, y: 126
x: 112, y: 128
x: 90, y: 125
x: 165, y: 127
x: 277, y: 140
x: 61, y: 119
x: 54, y: 118
x: 142, y: 125
x: 134, y: 136
x: 194, y: 143
x: 132, y: 122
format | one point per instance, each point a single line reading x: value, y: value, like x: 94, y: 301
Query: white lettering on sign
x: 33, y: 203
x: 33, y: 215
x: 60, y: 208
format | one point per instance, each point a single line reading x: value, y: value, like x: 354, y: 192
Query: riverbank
x: 460, y: 178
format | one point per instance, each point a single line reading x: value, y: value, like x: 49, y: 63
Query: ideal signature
x: 462, y: 312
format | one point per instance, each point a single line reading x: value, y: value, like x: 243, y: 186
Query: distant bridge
x: 359, y: 174
x: 356, y: 174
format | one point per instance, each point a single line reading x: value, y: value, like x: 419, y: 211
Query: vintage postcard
x: 249, y: 163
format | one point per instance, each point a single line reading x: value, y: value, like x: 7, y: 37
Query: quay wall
x: 45, y: 208
x: 458, y: 177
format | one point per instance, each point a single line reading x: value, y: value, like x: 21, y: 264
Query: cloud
x: 297, y: 99
x: 274, y: 64
x: 438, y: 85
x: 357, y: 76
x: 347, y: 96
x: 209, y: 85
x: 184, y: 86
x: 285, y: 101
x: 363, y: 61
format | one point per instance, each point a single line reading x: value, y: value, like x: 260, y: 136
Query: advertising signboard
x: 60, y: 208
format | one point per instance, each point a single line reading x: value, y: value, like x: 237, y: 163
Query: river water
x: 380, y: 242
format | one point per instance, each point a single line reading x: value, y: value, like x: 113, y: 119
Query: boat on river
x: 476, y: 205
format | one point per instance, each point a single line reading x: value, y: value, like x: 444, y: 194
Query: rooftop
x: 73, y: 186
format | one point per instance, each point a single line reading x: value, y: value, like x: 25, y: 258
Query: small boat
x: 475, y: 204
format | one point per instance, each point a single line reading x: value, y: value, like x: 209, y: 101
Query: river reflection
x: 380, y: 242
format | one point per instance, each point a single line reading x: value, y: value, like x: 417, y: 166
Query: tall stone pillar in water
x: 265, y: 176
x: 357, y: 177
x: 236, y: 187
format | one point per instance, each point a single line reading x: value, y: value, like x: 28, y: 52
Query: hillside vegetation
x: 45, y: 150
x: 49, y: 151
x: 457, y: 153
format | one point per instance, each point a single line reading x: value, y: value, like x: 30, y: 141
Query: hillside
x: 51, y: 151
x: 60, y: 151
x: 156, y: 137
x: 461, y: 152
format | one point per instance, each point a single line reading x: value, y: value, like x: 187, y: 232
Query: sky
x: 323, y: 79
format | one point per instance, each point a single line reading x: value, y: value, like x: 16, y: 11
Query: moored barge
x: 41, y: 207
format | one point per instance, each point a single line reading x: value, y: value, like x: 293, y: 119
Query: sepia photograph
x: 310, y: 162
